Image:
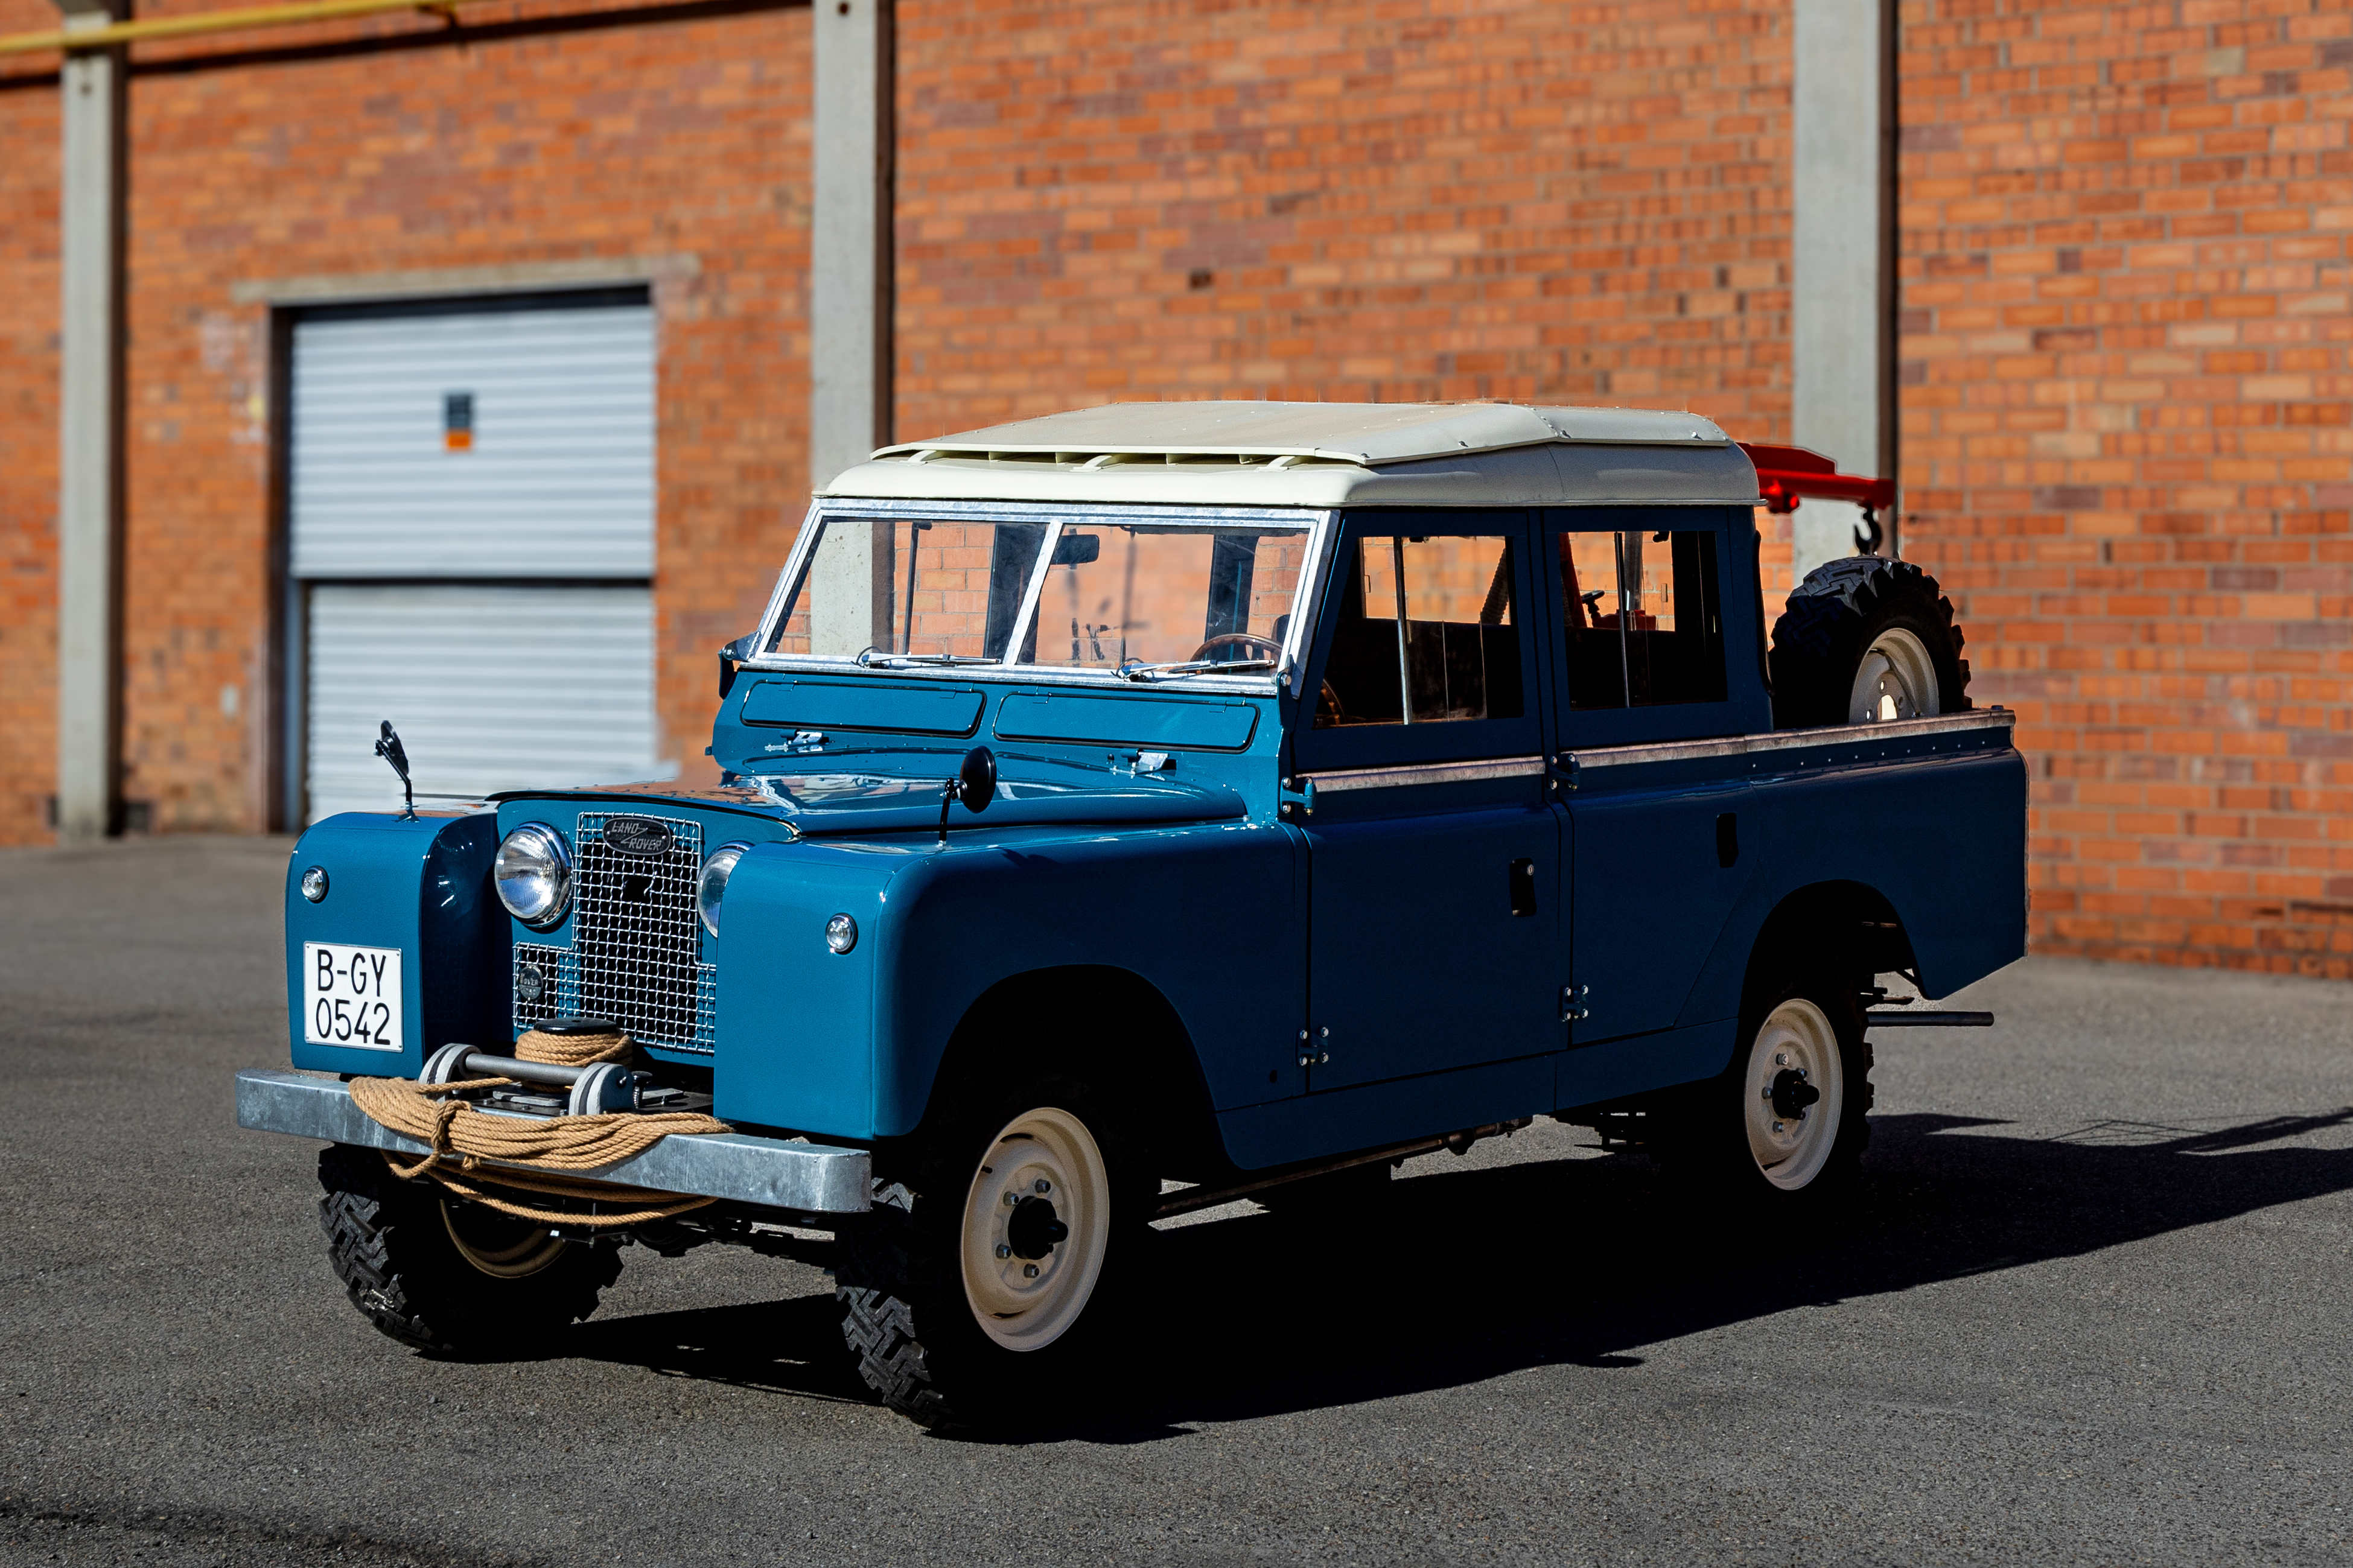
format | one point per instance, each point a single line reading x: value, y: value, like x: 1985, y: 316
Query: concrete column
x: 851, y: 276
x: 90, y: 434
x: 1842, y: 255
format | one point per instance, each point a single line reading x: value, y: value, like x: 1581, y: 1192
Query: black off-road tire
x: 392, y: 1247
x: 1835, y: 617
x: 906, y: 1315
x: 1705, y: 1146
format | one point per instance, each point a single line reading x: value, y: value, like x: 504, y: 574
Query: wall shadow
x: 1465, y: 1276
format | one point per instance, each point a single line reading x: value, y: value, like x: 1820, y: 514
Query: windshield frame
x: 1316, y: 524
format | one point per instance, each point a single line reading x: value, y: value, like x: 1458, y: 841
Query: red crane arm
x: 1783, y: 474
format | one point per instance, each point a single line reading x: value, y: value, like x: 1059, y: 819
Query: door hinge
x: 1317, y: 1049
x: 1298, y: 797
x: 1572, y: 1003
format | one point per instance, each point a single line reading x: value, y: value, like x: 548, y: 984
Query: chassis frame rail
x: 774, y: 1173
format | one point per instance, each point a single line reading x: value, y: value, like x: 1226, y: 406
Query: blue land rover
x: 1121, y: 812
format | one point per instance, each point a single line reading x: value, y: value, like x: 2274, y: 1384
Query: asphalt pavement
x: 2091, y: 1307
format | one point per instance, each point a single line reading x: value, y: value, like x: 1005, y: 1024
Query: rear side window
x: 1644, y: 617
x: 1427, y: 633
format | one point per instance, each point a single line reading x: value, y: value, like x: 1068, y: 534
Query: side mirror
x: 740, y: 648
x: 976, y: 779
x: 975, y: 784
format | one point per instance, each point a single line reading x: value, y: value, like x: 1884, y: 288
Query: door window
x: 1643, y: 617
x: 1428, y: 632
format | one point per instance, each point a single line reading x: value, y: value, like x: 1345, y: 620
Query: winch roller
x: 596, y: 1087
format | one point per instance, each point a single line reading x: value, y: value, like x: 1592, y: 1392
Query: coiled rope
x: 461, y: 1137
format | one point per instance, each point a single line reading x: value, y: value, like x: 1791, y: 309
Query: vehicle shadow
x: 1464, y: 1275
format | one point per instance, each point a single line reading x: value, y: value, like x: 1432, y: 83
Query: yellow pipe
x: 214, y: 22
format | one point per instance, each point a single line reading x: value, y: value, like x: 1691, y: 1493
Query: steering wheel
x: 1248, y: 644
x: 1328, y: 710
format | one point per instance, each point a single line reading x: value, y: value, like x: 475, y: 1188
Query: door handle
x: 1523, y: 888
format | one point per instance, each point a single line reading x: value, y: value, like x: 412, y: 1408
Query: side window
x: 1645, y: 618
x: 1428, y: 633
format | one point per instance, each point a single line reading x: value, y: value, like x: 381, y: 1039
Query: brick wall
x: 685, y: 141
x: 1344, y: 199
x: 2126, y: 401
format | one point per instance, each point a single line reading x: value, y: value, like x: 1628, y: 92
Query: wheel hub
x: 1791, y: 1094
x: 1034, y: 1230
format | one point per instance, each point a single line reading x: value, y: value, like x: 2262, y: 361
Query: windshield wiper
x: 1134, y: 670
x: 871, y: 658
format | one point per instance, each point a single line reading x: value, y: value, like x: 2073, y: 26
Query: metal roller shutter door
x: 492, y: 688
x: 559, y: 481
x: 415, y: 563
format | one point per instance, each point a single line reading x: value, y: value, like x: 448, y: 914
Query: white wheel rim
x: 1025, y: 1302
x: 1896, y: 679
x: 1790, y: 1150
x: 535, y: 1251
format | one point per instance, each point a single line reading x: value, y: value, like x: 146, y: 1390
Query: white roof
x: 1320, y: 454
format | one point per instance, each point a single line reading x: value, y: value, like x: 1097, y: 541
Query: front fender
x: 850, y: 1046
x: 421, y: 885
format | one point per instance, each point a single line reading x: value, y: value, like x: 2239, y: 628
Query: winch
x: 589, y: 1089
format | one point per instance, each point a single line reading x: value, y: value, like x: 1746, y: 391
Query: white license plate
x: 351, y: 995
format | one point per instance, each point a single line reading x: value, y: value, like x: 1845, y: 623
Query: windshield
x: 1077, y: 592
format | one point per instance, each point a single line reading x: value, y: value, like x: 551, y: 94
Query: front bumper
x: 776, y: 1172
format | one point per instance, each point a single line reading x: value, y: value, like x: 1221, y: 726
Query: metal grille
x: 635, y: 942
x: 546, y: 984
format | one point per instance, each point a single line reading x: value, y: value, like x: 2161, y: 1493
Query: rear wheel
x: 449, y: 1278
x: 1865, y: 640
x: 1787, y: 1124
x: 979, y: 1305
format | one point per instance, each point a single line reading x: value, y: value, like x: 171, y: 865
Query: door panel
x: 1434, y: 859
x: 1419, y: 962
x: 1651, y: 894
x: 1634, y: 600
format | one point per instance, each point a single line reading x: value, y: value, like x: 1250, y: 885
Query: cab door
x: 1434, y: 859
x: 1663, y: 843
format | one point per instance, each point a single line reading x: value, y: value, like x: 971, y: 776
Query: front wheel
x: 1787, y: 1124
x: 976, y: 1306
x: 450, y: 1279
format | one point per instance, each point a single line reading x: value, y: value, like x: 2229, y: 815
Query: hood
x: 883, y: 792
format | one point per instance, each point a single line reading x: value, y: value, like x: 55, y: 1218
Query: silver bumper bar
x: 810, y: 1178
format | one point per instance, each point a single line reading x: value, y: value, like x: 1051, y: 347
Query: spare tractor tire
x: 1864, y: 640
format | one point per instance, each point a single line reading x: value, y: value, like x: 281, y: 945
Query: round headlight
x: 534, y: 873
x: 711, y: 886
x: 314, y: 883
x: 841, y: 933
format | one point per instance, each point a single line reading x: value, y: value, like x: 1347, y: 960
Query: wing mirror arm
x: 975, y: 784
x: 740, y: 648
